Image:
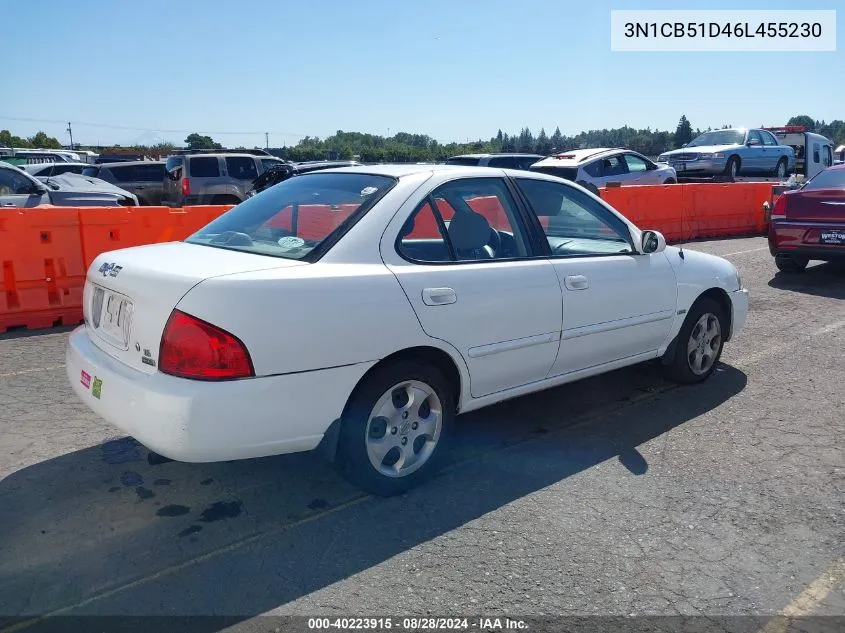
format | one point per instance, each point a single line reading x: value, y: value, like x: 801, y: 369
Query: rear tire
x: 395, y: 429
x: 699, y: 343
x: 781, y: 168
x: 791, y: 264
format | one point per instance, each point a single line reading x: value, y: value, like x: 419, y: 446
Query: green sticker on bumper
x: 97, y: 387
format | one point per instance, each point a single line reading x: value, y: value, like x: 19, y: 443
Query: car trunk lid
x: 129, y: 294
x: 819, y: 205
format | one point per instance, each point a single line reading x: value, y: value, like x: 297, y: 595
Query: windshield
x: 719, y: 137
x: 296, y: 216
x: 827, y: 179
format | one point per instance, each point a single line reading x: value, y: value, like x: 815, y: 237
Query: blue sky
x: 454, y: 69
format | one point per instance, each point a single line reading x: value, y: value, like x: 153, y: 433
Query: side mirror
x: 37, y: 190
x: 653, y: 242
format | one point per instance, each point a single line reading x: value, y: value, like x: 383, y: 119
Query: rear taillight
x: 186, y: 187
x: 192, y: 348
x: 779, y: 211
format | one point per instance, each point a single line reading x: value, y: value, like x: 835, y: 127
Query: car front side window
x: 12, y: 183
x: 574, y: 223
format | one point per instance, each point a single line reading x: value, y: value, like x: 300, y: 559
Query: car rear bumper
x: 803, y: 239
x: 197, y: 421
x: 739, y: 310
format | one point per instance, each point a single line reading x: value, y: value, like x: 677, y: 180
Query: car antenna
x: 681, y: 251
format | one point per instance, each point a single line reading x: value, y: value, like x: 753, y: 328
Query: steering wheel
x: 234, y: 238
x: 495, y: 242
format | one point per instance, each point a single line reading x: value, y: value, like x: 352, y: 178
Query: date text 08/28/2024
x: 417, y: 624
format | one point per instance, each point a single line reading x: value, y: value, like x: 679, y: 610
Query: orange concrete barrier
x: 42, y: 268
x: 109, y: 228
x: 692, y: 211
x: 658, y: 207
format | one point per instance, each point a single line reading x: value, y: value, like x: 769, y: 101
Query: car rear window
x: 461, y: 161
x: 568, y: 173
x: 91, y: 172
x: 297, y: 216
x: 204, y: 167
x: 827, y: 179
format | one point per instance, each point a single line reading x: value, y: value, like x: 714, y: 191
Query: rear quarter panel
x: 310, y: 317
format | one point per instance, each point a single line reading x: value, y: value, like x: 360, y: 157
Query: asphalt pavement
x: 619, y: 495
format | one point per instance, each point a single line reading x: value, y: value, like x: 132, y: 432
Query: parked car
x: 732, y: 152
x: 320, y: 314
x: 501, y: 160
x: 43, y: 170
x: 813, y: 152
x: 278, y: 173
x: 20, y: 189
x: 212, y: 178
x: 809, y: 222
x: 593, y: 168
x: 143, y: 178
x: 35, y: 156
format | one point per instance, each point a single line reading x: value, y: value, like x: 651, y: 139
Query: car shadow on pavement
x: 101, y: 532
x: 821, y: 280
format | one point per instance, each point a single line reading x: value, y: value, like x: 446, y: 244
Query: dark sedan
x: 809, y: 223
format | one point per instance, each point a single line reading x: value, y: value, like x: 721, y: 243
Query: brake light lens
x: 192, y: 348
x: 186, y: 187
x: 779, y: 210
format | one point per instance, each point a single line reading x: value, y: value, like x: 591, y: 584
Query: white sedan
x: 360, y: 309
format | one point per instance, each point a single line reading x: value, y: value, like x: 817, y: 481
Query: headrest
x: 469, y: 231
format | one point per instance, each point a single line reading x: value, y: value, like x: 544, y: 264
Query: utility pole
x: 70, y: 131
x: 266, y: 140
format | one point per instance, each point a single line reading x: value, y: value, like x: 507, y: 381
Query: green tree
x: 7, y: 139
x: 42, y: 141
x: 557, y: 141
x: 543, y: 144
x: 683, y: 133
x: 803, y: 119
x: 198, y: 141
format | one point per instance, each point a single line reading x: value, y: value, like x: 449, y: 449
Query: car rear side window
x: 204, y: 167
x: 123, y: 174
x: 471, y: 219
x: 91, y: 172
x: 149, y: 173
x: 241, y: 168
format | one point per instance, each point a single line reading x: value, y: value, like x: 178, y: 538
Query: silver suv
x: 212, y: 177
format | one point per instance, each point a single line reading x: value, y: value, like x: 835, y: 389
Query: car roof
x: 410, y: 169
x: 504, y: 154
x: 578, y: 156
x: 124, y: 163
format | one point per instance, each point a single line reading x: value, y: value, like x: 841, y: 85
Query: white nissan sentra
x: 360, y: 309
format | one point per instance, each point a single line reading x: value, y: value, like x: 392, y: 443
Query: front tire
x: 395, y: 430
x: 791, y: 264
x: 732, y: 168
x: 699, y: 343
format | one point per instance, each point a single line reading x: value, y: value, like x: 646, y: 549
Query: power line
x: 146, y: 129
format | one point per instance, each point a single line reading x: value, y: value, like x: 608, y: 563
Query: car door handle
x: 438, y: 296
x: 577, y: 282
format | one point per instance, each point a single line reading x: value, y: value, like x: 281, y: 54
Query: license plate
x: 679, y: 166
x: 832, y: 237
x: 112, y: 316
